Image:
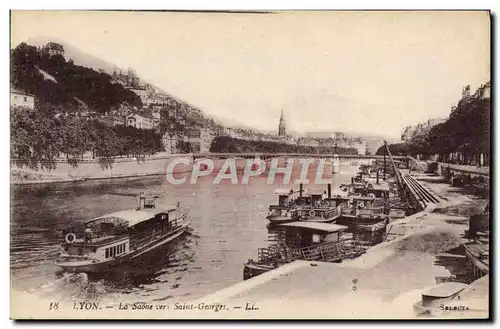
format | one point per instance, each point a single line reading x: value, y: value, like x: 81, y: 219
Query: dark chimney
x: 301, y: 190
x: 329, y: 191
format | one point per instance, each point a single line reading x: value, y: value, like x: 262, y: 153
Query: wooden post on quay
x: 385, y: 163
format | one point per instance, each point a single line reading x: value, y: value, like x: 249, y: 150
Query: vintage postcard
x: 250, y: 165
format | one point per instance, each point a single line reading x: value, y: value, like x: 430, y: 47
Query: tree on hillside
x: 466, y: 132
x: 36, y: 139
x: 395, y: 149
x: 75, y: 138
x: 92, y: 87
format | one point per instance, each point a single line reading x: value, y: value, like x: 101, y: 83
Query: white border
x: 184, y: 5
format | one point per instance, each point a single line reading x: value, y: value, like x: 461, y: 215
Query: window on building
x: 25, y: 99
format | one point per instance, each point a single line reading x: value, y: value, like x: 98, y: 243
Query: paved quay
x: 384, y: 283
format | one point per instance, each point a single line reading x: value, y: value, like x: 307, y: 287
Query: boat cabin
x: 360, y: 206
x: 305, y: 234
x: 291, y: 198
x: 369, y: 232
x: 118, y: 233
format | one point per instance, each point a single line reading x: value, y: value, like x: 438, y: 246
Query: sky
x: 366, y: 72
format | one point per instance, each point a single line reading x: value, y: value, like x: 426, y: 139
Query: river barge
x: 300, y: 240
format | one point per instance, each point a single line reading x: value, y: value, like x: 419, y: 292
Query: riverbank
x: 176, y: 165
x: 93, y: 169
x: 384, y: 283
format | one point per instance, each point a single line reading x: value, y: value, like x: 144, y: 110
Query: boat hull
x: 281, y: 220
x: 254, y: 269
x: 476, y: 261
x: 92, y: 266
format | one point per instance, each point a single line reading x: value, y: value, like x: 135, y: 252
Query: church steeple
x: 282, y: 125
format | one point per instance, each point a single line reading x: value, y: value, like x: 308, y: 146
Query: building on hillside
x: 20, y: 98
x: 141, y: 121
x: 453, y: 108
x: 408, y: 133
x: 308, y: 141
x: 432, y: 122
x: 117, y: 120
x: 484, y: 91
x: 466, y: 91
x: 143, y: 93
x: 53, y: 48
x: 151, y: 99
x: 112, y: 120
x: 156, y: 113
x: 326, y: 135
x: 129, y: 79
x: 421, y: 128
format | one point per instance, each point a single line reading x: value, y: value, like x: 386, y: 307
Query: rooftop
x: 20, y: 92
x: 55, y: 46
x: 134, y: 216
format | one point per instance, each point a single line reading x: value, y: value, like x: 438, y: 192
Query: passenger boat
x: 289, y: 207
x: 302, y: 241
x: 300, y: 206
x: 324, y: 209
x: 109, y: 240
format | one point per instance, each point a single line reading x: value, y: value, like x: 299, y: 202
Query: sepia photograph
x: 291, y: 165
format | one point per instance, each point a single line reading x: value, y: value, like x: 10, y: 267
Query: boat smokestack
x: 141, y: 200
x: 329, y: 191
x: 301, y: 189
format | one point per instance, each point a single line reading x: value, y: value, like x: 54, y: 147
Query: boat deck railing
x: 365, y: 211
x: 327, y: 252
x: 147, y: 237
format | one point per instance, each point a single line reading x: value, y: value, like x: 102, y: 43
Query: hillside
x: 60, y: 83
x: 81, y: 58
x: 73, y: 53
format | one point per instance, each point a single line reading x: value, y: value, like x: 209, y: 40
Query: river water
x: 228, y: 226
